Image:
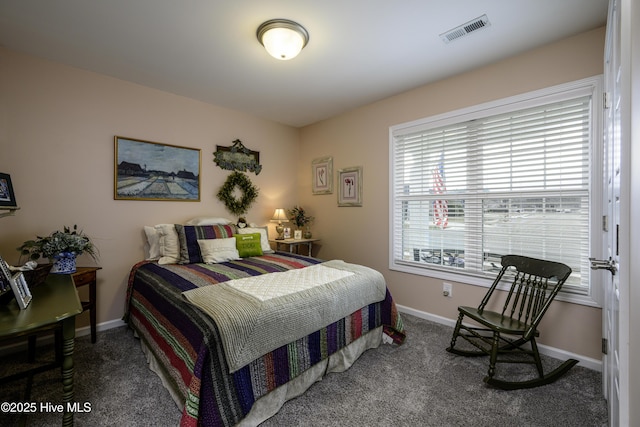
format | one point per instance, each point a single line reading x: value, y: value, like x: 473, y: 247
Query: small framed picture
x: 297, y: 234
x: 7, y: 198
x: 322, y: 175
x: 5, y: 273
x: 18, y: 284
x: 287, y: 232
x: 350, y: 186
x: 21, y: 290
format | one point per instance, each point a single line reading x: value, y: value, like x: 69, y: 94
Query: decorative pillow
x: 248, y: 245
x: 208, y: 220
x: 218, y: 250
x: 264, y: 237
x: 153, y: 239
x: 169, y: 244
x: 188, y: 236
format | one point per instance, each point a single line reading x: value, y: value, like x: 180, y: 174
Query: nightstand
x: 295, y: 243
x: 88, y: 276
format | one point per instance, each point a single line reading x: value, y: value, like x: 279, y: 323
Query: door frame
x: 628, y: 236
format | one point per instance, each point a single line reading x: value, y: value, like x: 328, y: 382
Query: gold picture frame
x: 146, y: 170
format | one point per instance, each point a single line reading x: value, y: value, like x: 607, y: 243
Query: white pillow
x: 169, y: 244
x: 264, y: 237
x: 153, y: 239
x: 218, y: 250
x: 207, y: 220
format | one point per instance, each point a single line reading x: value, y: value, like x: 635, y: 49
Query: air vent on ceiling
x: 465, y: 29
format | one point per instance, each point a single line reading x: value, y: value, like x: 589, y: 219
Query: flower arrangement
x: 299, y: 217
x: 69, y: 240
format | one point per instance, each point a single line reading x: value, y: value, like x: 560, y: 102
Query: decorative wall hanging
x: 350, y: 186
x: 322, y: 175
x: 249, y: 193
x: 237, y: 158
x: 147, y: 170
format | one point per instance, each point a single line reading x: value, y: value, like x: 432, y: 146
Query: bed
x: 183, y: 305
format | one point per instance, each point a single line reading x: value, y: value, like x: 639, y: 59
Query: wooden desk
x: 88, y: 276
x: 55, y: 301
x: 82, y: 277
x: 295, y: 243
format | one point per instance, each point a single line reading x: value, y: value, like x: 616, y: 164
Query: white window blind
x: 468, y: 191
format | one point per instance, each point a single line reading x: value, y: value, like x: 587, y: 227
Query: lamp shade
x: 283, y: 39
x: 279, y: 216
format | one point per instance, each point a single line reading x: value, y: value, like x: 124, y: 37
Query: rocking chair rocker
x: 534, y: 285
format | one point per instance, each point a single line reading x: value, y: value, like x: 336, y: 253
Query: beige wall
x: 56, y: 134
x: 361, y: 138
x: 56, y: 141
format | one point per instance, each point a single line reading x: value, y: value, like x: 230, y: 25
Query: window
x: 509, y: 177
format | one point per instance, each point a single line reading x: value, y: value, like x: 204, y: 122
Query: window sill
x: 485, y: 282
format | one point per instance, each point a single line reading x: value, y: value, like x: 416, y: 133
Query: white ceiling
x: 360, y: 51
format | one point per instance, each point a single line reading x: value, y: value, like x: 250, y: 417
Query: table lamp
x: 279, y: 216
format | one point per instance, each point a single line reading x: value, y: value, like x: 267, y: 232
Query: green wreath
x: 249, y: 193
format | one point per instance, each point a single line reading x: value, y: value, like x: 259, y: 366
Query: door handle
x: 601, y: 264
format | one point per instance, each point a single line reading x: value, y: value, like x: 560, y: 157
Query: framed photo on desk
x: 21, y: 290
x: 18, y: 285
x: 5, y: 273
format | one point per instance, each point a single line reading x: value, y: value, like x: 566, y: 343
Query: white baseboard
x: 554, y: 352
x: 557, y: 353
x: 104, y: 326
x: 80, y: 332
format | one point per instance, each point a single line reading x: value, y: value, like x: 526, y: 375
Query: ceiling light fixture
x: 282, y: 38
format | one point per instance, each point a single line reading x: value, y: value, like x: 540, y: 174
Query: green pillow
x: 248, y: 244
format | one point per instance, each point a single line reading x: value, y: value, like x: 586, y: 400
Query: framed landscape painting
x: 146, y: 170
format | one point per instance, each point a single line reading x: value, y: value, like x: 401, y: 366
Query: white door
x: 611, y: 223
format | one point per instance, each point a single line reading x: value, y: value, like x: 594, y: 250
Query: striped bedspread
x: 187, y: 344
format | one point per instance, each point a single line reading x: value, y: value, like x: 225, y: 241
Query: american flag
x: 440, y: 207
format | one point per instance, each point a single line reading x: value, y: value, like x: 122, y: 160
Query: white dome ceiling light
x: 282, y: 38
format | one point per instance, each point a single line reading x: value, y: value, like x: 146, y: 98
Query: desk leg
x: 310, y: 247
x: 68, y: 337
x: 92, y: 313
x: 31, y: 348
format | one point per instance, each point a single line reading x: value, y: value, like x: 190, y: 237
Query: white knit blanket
x: 256, y: 315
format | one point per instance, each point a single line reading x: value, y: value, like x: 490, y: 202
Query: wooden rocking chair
x: 534, y: 285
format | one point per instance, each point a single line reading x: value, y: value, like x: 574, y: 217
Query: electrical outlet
x: 447, y: 290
